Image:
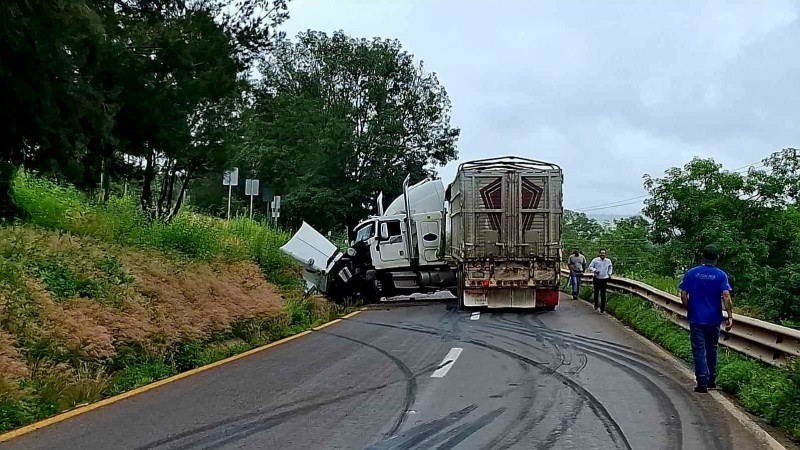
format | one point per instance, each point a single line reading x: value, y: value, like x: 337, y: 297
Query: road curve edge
x: 9, y: 435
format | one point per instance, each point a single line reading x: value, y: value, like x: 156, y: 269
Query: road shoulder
x: 750, y: 423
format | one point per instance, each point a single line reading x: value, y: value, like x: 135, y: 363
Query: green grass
x: 769, y: 392
x: 191, y: 235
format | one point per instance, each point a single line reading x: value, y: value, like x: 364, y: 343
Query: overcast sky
x: 608, y: 90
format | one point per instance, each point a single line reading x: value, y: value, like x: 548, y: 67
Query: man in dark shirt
x: 703, y: 290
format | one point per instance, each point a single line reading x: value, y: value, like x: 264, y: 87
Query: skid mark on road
x: 238, y: 427
x: 611, y: 426
x: 464, y: 431
x: 447, y: 362
x: 672, y: 418
x: 567, y: 421
x: 411, y: 382
x: 417, y: 434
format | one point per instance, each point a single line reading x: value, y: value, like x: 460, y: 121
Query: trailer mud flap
x: 316, y: 254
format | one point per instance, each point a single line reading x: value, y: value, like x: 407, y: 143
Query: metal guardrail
x: 768, y: 342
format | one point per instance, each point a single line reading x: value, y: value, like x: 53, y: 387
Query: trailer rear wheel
x: 460, y: 288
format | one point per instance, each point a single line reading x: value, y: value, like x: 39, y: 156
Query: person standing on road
x: 703, y: 290
x: 602, y: 269
x: 577, y: 266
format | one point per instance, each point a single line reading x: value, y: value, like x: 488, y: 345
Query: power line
x: 610, y: 206
x: 613, y: 203
x: 635, y: 200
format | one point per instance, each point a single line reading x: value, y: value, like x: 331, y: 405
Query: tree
x: 751, y: 217
x: 194, y: 58
x: 49, y: 109
x: 338, y: 120
x: 88, y: 84
x: 577, y: 226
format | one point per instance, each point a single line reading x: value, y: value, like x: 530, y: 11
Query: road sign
x: 251, y: 187
x: 231, y: 177
x: 267, y: 195
x: 276, y: 207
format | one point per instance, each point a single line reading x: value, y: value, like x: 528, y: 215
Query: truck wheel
x: 460, y: 289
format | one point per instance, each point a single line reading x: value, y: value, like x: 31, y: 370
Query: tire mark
x: 461, y: 433
x: 582, y: 362
x: 530, y: 327
x: 612, y: 427
x: 672, y: 420
x: 549, y: 334
x: 420, y: 433
x: 566, y: 423
x: 529, y: 394
x: 509, y: 442
x: 411, y: 382
x: 283, y: 416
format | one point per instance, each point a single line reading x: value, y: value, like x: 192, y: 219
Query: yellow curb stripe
x: 91, y: 407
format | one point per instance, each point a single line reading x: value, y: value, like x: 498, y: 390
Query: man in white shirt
x: 602, y: 269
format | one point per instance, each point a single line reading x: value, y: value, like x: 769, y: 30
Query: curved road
x: 423, y: 377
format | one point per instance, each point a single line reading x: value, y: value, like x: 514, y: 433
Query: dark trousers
x: 705, y: 339
x: 600, y: 286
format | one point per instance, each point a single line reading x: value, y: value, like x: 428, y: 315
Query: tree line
x: 752, y: 216
x: 159, y: 97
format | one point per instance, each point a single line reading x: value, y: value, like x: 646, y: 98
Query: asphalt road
x: 427, y: 377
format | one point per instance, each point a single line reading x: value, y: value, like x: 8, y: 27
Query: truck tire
x: 460, y: 289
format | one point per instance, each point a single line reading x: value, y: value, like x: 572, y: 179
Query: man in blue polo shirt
x: 703, y: 290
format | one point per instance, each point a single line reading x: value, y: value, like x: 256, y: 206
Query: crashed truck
x: 492, y: 238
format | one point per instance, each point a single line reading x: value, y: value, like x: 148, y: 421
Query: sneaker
x: 574, y: 297
x: 701, y: 389
x: 712, y: 384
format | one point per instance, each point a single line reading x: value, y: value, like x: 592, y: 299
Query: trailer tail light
x: 486, y: 283
x: 548, y: 297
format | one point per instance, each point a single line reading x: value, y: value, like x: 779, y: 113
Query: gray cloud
x: 608, y: 90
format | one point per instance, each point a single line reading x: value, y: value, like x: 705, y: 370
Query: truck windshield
x: 365, y: 232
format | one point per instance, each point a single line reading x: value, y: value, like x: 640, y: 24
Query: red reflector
x: 547, y: 296
x: 486, y: 283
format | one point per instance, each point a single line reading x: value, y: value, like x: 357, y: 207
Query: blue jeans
x: 704, y: 349
x: 575, y: 278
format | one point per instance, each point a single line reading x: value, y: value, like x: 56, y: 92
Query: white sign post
x: 251, y: 189
x: 276, y: 207
x: 230, y: 179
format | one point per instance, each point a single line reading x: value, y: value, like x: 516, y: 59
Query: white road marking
x: 475, y: 316
x: 447, y: 362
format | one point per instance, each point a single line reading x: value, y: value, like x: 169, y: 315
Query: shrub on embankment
x: 96, y: 300
x: 769, y: 392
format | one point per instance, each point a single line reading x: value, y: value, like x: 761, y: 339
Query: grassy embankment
x: 95, y: 300
x: 768, y: 392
